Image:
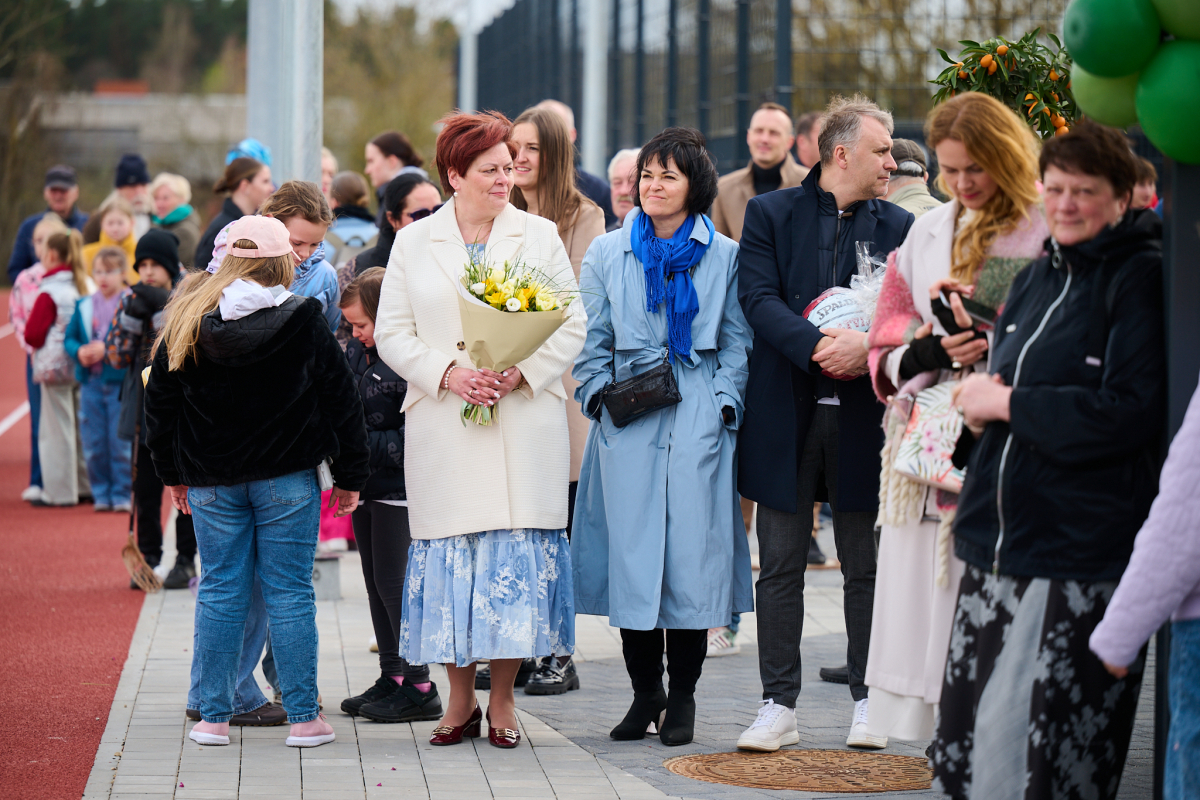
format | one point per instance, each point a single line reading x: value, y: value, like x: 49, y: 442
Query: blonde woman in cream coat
x: 489, y: 571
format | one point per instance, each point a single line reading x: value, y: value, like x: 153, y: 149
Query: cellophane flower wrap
x: 854, y: 308
x: 508, y: 311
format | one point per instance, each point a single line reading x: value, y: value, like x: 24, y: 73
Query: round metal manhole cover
x: 808, y: 770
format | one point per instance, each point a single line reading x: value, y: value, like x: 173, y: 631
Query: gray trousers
x: 64, y: 471
x: 783, y: 553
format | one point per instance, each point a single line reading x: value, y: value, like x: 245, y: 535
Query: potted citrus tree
x: 1028, y: 76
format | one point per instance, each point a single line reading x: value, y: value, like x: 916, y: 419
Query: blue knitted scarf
x: 674, y: 257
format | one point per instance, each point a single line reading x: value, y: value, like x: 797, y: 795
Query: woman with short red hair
x: 489, y: 570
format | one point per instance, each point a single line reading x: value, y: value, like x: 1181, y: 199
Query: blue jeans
x: 108, y: 456
x: 246, y: 696
x: 35, y: 415
x: 267, y: 530
x: 1183, y: 741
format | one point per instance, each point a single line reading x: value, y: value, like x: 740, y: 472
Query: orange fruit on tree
x: 1055, y: 96
x: 962, y: 74
x: 1002, y: 49
x: 1029, y: 97
x: 1058, y: 120
x: 1053, y: 75
x: 1062, y: 130
x: 992, y: 68
x: 987, y: 60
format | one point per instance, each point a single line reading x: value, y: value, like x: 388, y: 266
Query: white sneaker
x: 774, y: 727
x: 333, y: 546
x: 722, y: 642
x: 373, y: 645
x: 858, y: 730
x: 31, y: 494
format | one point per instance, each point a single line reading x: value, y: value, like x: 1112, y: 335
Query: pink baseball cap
x: 268, y: 233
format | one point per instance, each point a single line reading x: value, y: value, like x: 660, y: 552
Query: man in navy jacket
x: 808, y: 436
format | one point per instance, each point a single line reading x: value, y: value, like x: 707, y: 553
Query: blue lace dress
x: 492, y: 594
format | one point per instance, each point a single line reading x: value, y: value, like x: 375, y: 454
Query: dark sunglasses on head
x: 420, y: 213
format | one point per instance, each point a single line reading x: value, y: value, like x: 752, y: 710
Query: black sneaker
x: 384, y: 688
x: 407, y: 704
x: 180, y: 574
x: 483, y: 674
x: 815, y: 556
x: 552, y: 678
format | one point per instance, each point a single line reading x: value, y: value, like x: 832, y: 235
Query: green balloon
x: 1111, y: 38
x: 1109, y: 101
x: 1179, y: 17
x: 1167, y: 103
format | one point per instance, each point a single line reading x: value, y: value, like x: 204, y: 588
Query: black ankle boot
x: 647, y: 707
x: 680, y: 722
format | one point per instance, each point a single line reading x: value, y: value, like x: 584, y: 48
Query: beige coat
x: 588, y: 224
x: 735, y: 190
x: 466, y: 479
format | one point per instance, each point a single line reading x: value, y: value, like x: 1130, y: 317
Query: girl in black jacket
x: 1059, y: 482
x: 403, y: 692
x: 247, y: 396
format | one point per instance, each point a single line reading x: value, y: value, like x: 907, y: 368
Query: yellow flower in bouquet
x: 531, y: 308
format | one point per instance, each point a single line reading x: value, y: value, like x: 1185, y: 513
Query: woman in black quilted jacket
x: 403, y: 692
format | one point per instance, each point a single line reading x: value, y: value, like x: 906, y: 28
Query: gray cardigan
x: 1163, y: 577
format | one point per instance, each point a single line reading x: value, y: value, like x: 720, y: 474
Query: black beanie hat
x: 161, y: 247
x: 131, y: 171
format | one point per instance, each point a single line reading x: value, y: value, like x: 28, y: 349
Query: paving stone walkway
x: 566, y: 753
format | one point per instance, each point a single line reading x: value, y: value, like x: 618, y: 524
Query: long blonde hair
x: 201, y: 294
x: 1007, y: 150
x: 68, y: 246
x: 558, y: 197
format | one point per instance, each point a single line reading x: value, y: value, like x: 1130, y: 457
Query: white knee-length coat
x: 466, y: 479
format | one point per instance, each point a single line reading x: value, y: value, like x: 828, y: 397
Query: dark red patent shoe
x: 453, y: 734
x: 506, y: 738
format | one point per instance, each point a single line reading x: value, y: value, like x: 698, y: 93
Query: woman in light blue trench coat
x: 658, y: 540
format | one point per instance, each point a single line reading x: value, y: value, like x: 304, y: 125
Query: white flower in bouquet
x: 512, y: 304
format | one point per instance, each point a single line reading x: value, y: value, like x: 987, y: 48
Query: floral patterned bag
x: 928, y: 442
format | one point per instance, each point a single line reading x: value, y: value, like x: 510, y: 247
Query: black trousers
x: 383, y: 539
x: 783, y: 550
x: 148, y: 491
x: 643, y: 651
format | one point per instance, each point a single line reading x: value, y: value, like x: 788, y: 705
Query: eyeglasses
x: 420, y: 213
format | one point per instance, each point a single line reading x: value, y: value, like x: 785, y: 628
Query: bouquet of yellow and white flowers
x: 508, y: 311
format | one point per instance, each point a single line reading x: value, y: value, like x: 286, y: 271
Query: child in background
x: 1145, y: 191
x: 130, y: 337
x: 301, y: 207
x: 116, y: 230
x: 106, y: 454
x: 303, y: 210
x: 403, y: 692
x: 26, y: 288
x: 64, y: 475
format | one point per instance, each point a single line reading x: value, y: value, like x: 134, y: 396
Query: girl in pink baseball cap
x: 248, y: 394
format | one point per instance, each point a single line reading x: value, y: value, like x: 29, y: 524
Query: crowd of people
x: 294, y: 376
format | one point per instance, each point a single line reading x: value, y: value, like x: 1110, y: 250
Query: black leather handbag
x: 635, y: 397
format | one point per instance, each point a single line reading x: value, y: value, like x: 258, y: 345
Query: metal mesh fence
x: 709, y: 63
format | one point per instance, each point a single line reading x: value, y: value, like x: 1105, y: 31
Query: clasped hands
x: 91, y: 353
x: 841, y: 352
x: 343, y: 501
x: 483, y: 387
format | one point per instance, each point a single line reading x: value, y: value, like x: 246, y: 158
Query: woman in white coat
x: 992, y: 228
x: 489, y: 570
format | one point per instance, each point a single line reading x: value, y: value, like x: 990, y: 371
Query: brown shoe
x: 262, y: 717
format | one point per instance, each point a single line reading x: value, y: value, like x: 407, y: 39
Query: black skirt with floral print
x: 1027, y: 711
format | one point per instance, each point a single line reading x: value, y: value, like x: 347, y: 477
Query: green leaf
x: 1054, y: 39
x: 947, y: 58
x: 968, y: 43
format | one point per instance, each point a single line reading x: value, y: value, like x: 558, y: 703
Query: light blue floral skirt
x: 495, y: 594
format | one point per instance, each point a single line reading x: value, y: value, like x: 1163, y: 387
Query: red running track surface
x: 67, y: 615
